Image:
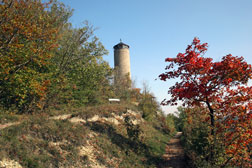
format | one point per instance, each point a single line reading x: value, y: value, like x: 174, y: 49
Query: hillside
x: 100, y: 136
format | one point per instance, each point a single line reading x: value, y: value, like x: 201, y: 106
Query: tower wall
x: 122, y: 61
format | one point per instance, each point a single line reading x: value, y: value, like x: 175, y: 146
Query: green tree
x: 121, y: 86
x: 80, y: 75
x: 148, y: 104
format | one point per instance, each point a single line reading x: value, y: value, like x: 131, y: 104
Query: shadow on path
x: 174, y: 154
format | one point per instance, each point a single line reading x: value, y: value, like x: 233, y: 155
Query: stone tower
x: 122, y: 60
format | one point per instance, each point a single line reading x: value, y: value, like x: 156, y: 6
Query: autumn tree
x: 220, y: 89
x: 44, y: 60
x: 28, y: 32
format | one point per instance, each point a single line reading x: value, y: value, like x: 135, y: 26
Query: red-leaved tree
x: 219, y: 87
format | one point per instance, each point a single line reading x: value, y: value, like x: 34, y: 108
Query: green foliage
x: 121, y: 86
x: 196, y: 141
x: 180, y: 119
x: 149, y: 106
x: 168, y: 125
x: 133, y: 131
x: 80, y: 73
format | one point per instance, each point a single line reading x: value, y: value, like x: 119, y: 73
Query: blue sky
x: 156, y: 29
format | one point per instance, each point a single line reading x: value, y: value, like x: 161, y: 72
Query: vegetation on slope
x: 40, y: 141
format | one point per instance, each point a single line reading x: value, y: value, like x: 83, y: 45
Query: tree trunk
x: 212, y: 131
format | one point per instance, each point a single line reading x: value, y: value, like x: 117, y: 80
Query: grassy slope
x: 42, y: 142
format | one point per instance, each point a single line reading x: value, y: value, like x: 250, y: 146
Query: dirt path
x: 59, y: 117
x: 174, y: 155
x: 2, y: 126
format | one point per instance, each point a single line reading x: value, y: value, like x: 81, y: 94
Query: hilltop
x: 112, y: 135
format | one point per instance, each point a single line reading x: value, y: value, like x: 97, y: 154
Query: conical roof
x: 121, y: 45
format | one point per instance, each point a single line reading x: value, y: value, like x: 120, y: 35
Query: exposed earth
x: 174, y: 155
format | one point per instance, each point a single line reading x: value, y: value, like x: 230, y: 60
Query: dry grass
x: 40, y: 141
